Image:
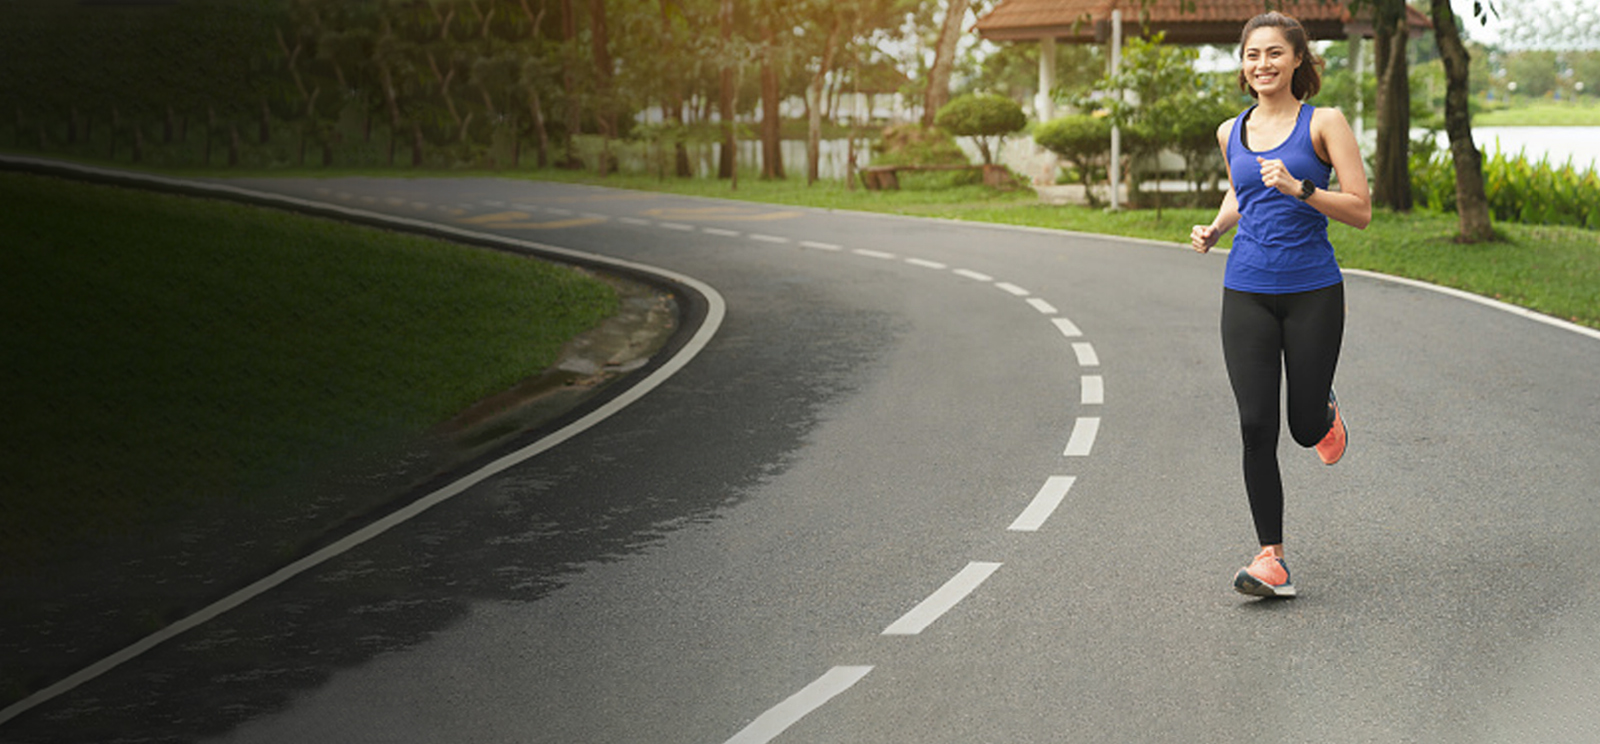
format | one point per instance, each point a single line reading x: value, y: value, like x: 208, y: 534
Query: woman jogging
x: 1283, y: 302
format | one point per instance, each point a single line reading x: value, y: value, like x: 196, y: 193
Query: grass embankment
x: 1582, y: 112
x: 164, y: 351
x: 1554, y: 270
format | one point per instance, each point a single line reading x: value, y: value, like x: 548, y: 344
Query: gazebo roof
x: 1203, y: 22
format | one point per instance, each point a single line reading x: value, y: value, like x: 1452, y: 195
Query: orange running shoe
x: 1331, y: 448
x: 1266, y: 576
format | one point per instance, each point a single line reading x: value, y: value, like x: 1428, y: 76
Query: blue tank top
x: 1282, y: 243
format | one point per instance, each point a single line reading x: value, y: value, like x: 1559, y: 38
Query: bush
x: 1530, y: 193
x: 1083, y: 141
x: 981, y: 117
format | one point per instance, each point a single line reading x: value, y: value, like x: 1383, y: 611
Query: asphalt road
x: 933, y: 482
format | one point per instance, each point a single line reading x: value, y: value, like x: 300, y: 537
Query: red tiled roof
x: 1191, y: 21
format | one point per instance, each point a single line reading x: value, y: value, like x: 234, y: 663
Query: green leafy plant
x: 982, y: 117
x: 1084, y: 141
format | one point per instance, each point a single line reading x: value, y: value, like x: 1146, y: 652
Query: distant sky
x: 1538, y: 24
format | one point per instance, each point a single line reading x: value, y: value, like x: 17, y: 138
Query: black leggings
x: 1265, y: 338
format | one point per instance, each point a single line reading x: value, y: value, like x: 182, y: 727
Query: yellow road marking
x: 496, y: 217
x: 514, y: 221
x: 578, y: 222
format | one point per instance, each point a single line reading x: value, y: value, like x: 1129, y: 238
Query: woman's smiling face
x: 1268, y: 60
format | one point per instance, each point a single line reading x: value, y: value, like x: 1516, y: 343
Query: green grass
x: 166, y: 351
x: 1583, y: 112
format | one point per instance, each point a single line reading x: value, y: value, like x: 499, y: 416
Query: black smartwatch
x: 1307, y: 188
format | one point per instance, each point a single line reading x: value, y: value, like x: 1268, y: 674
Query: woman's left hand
x: 1276, y: 176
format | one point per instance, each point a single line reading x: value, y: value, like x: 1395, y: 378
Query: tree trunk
x: 1393, y: 185
x: 569, y: 35
x: 725, y: 97
x: 938, y: 93
x: 536, y: 109
x: 672, y: 102
x: 535, y: 104
x: 1472, y: 203
x: 815, y: 97
x: 605, y: 112
x: 771, y: 125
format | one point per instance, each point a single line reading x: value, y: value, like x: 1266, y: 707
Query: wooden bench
x: 876, y: 177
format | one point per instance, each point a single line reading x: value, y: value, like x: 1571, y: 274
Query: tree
x: 982, y: 117
x: 1392, y: 186
x: 725, y: 92
x: 1154, y: 79
x: 944, y: 56
x: 1472, y: 203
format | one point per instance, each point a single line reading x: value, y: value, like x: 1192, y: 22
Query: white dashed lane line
x: 1042, y: 306
x: 1012, y: 289
x: 820, y: 246
x: 973, y: 275
x: 872, y: 254
x: 942, y: 600
x: 1086, y: 355
x: 1067, y: 327
x: 780, y: 717
x: 1044, y: 503
x: 1084, y: 432
x: 1094, y: 390
x: 926, y: 264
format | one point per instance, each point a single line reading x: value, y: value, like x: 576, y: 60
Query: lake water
x: 1581, y: 144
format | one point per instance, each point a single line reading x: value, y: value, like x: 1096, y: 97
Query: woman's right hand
x: 1203, y: 237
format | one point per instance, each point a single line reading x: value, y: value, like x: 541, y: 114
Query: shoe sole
x: 1244, y: 583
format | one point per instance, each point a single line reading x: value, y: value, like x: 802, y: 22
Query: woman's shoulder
x: 1327, y: 115
x: 1225, y: 130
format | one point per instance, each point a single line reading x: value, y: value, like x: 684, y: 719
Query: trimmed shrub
x: 1083, y: 141
x: 981, y: 117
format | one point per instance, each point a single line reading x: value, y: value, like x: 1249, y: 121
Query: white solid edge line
x: 1084, y: 431
x: 1533, y: 315
x: 1086, y: 354
x: 780, y: 717
x: 716, y: 310
x: 1094, y: 390
x: 942, y: 600
x: 1043, y: 504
